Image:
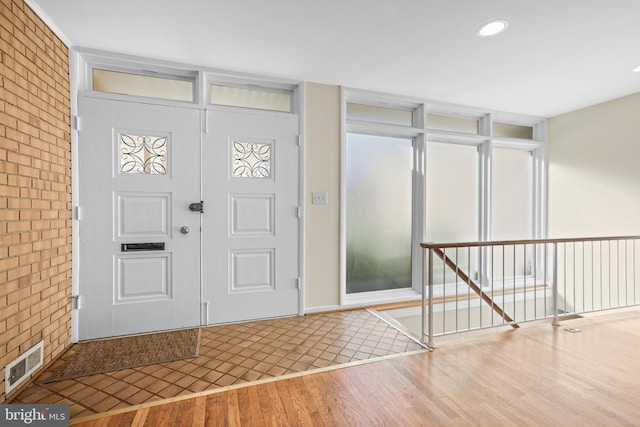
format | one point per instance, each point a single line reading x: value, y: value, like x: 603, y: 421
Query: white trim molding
x: 49, y: 22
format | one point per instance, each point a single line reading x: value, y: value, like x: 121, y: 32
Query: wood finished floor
x: 538, y: 375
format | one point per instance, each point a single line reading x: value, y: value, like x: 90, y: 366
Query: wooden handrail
x: 430, y: 245
x: 452, y: 265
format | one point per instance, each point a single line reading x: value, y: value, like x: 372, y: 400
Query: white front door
x: 250, y: 220
x: 139, y: 254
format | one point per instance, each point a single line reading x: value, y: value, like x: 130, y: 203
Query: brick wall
x: 35, y: 187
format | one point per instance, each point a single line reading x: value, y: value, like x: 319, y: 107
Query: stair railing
x: 518, y: 281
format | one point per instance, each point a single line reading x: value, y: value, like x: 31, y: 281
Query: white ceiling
x: 556, y: 56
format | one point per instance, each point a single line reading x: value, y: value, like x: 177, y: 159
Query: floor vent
x: 21, y: 368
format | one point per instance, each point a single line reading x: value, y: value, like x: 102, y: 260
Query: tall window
x: 511, y: 199
x: 511, y: 209
x: 379, y: 205
x: 452, y: 202
x: 442, y: 174
x: 452, y: 192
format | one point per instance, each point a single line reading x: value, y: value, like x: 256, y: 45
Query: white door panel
x: 250, y: 225
x: 139, y: 169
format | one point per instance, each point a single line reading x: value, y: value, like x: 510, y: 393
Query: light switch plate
x: 319, y: 198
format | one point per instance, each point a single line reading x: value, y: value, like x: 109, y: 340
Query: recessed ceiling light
x: 492, y: 28
x: 637, y: 69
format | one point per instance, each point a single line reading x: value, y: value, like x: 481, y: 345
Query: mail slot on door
x: 133, y: 247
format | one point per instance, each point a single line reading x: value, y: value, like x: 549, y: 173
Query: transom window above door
x: 251, y: 97
x: 128, y: 83
x: 114, y: 76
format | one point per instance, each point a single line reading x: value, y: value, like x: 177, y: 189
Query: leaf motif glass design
x: 142, y: 154
x: 251, y: 160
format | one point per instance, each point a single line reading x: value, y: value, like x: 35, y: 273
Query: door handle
x: 184, y: 229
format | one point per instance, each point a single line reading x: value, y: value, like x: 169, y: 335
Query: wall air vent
x: 16, y: 372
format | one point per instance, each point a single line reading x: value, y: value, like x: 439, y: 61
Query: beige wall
x: 322, y: 173
x: 594, y: 170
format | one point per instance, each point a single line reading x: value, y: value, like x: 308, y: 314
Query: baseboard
x: 326, y: 308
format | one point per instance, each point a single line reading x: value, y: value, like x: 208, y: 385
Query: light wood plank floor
x: 538, y: 375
